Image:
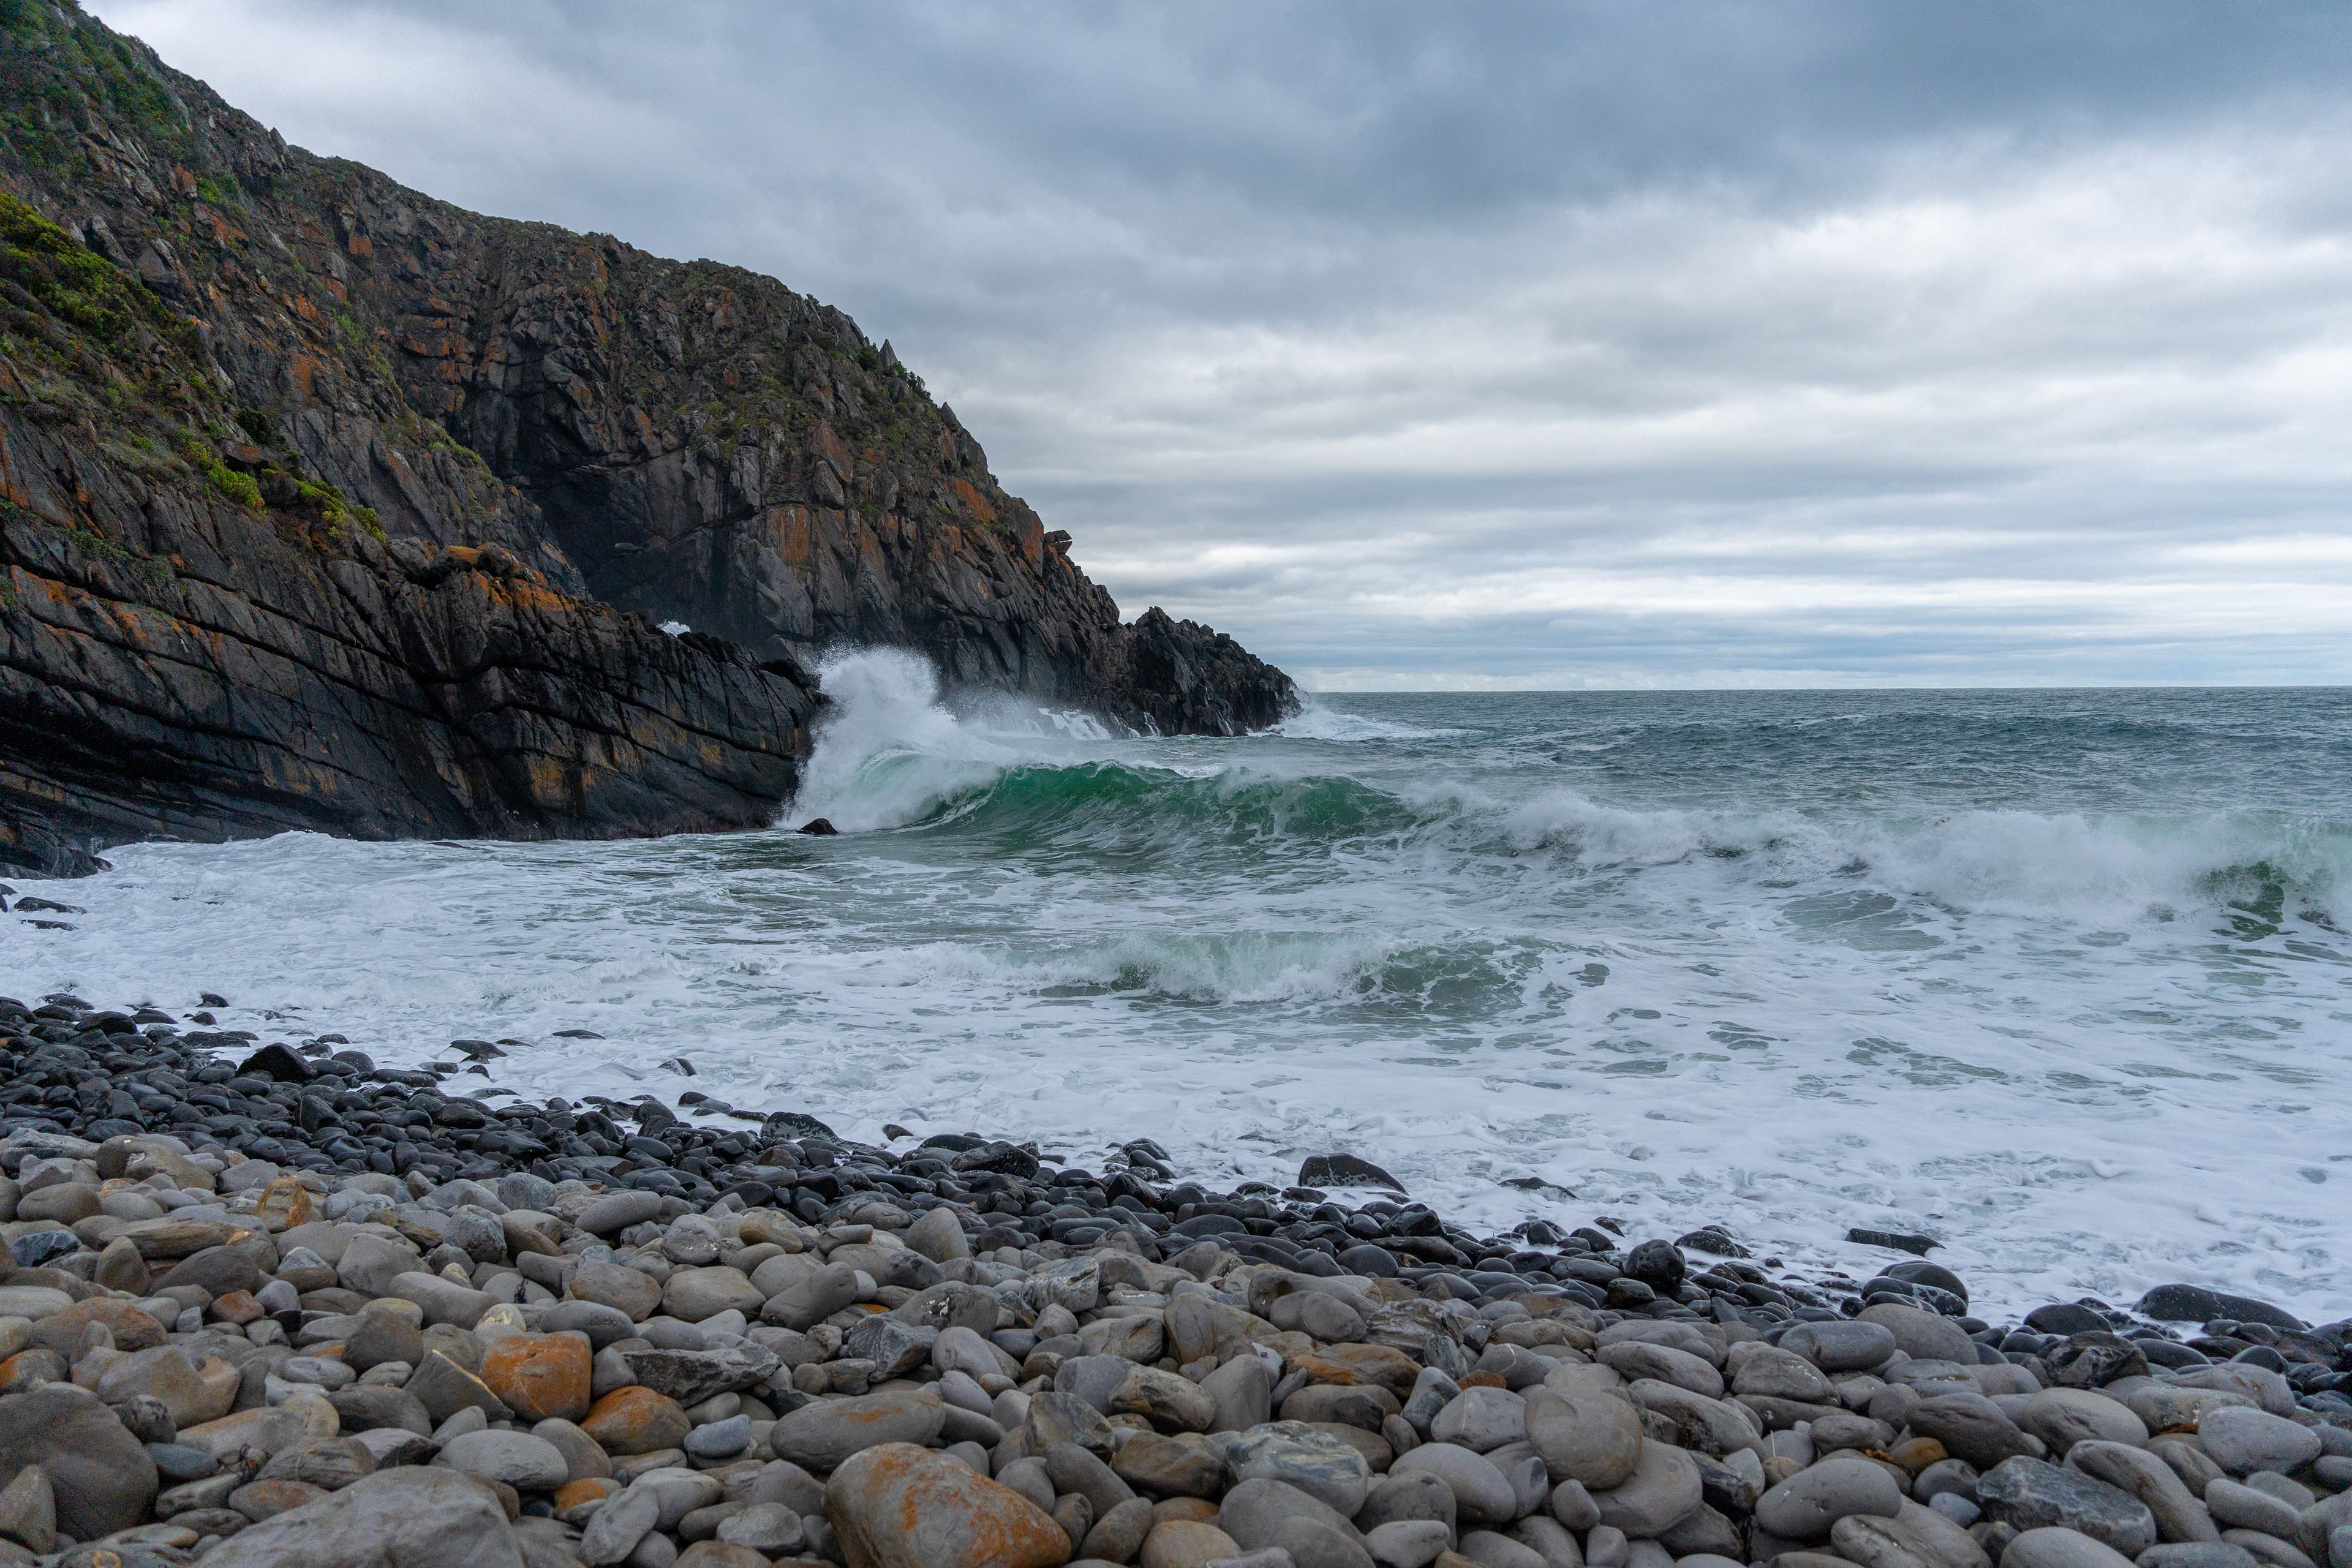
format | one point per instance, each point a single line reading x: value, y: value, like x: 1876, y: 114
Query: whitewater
x: 2056, y: 978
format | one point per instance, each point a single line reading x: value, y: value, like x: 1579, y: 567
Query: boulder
x: 2056, y: 1547
x: 541, y: 1377
x: 894, y: 1505
x: 101, y: 1476
x: 1807, y: 1504
x: 1187, y: 1543
x: 821, y: 1435
x: 444, y: 1388
x: 634, y: 1420
x: 1170, y: 1403
x: 2031, y: 1494
x: 1183, y: 1463
x: 692, y: 1376
x: 1777, y: 1373
x: 693, y: 1294
x: 1482, y: 1493
x: 411, y: 1517
x: 612, y: 1284
x: 166, y: 1373
x: 2063, y: 1417
x: 2243, y: 1441
x: 2179, y: 1517
x: 1663, y: 1491
x: 1634, y: 1359
x: 442, y: 1301
x: 1480, y: 1419
x: 1584, y: 1436
x: 1972, y: 1427
x: 615, y: 1212
x: 1308, y: 1459
x: 526, y: 1463
x: 28, y: 1510
x: 1260, y: 1513
x: 1855, y: 1345
x: 1916, y: 1537
x: 371, y: 1263
x: 132, y: 1329
x: 1922, y: 1336
x: 939, y: 1236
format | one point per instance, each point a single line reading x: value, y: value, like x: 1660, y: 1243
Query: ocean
x: 2058, y: 978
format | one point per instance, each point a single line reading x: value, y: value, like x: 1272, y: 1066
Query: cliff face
x: 199, y: 644
x: 326, y: 504
x: 688, y: 440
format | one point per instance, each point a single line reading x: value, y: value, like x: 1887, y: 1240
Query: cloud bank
x: 1517, y: 344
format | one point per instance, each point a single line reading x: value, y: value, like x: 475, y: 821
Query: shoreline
x: 2056, y: 1148
x: 599, y: 1311
x: 607, y: 1124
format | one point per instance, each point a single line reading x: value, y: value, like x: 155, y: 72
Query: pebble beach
x: 271, y: 1304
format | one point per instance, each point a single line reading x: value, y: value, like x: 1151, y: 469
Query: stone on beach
x: 815, y: 1364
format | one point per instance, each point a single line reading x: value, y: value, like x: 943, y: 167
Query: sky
x: 1830, y: 343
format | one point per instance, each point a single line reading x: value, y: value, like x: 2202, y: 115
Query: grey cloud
x: 1509, y: 342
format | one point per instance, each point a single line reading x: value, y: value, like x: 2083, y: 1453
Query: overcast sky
x: 1509, y: 344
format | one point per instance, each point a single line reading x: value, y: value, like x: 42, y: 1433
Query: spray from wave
x: 1314, y: 721
x: 891, y: 751
x: 896, y: 751
x: 2022, y: 972
x: 2076, y: 867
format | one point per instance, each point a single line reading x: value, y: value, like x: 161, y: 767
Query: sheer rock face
x: 225, y: 613
x: 686, y: 441
x: 173, y: 665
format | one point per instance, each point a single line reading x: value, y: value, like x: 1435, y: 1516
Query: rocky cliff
x: 326, y: 504
x: 196, y: 642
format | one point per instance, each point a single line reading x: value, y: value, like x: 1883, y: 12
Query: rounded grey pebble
x: 2197, y: 1554
x: 720, y: 1439
x: 2054, y: 1546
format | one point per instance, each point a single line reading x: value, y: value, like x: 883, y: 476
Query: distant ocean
x: 2059, y: 978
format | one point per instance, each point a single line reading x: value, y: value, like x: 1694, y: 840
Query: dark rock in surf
x: 276, y: 1062
x: 1345, y: 1171
x: 818, y: 827
x: 1536, y: 1184
x: 1713, y: 1241
x: 1898, y: 1241
x: 1657, y: 1264
x: 2065, y: 1318
x: 2196, y: 1304
x: 1933, y: 1275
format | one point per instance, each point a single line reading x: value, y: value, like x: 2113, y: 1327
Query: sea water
x: 2057, y: 978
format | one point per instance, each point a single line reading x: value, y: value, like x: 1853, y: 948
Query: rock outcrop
x: 326, y: 504
x: 196, y: 642
x: 687, y: 441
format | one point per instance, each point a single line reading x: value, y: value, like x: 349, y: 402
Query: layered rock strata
x: 252, y: 400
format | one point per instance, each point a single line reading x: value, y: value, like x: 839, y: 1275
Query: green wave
x: 1087, y: 802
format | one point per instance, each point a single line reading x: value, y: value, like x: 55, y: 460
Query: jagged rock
x: 692, y: 1376
x: 378, y: 617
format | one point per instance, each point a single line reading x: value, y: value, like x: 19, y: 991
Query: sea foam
x: 1781, y: 962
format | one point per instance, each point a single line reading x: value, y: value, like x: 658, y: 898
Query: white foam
x: 1316, y: 721
x: 2047, y: 1038
x: 891, y: 751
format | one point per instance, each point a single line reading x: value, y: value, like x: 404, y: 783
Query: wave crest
x: 894, y: 751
